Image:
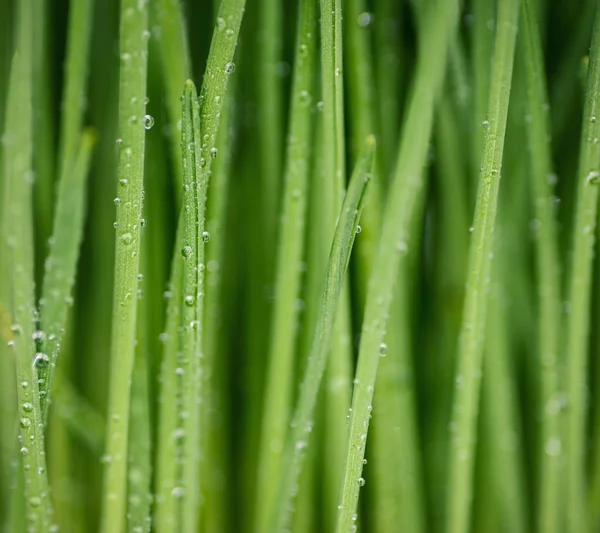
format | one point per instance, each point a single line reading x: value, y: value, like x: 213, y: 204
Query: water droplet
x: 117, y: 201
x: 186, y: 251
x: 471, y: 229
x: 177, y: 492
x: 358, y: 229
x: 143, y: 223
x: 214, y: 152
x: 305, y: 97
x: 338, y: 71
x: 34, y: 501
x: 205, y: 236
x: 361, y: 481
x: 148, y: 121
x: 127, y: 238
x: 593, y: 178
x: 41, y: 359
x: 320, y: 105
x: 25, y: 423
x: 221, y: 24
x: 189, y: 300
x: 592, y: 119
x: 24, y: 451
x: 229, y: 67
x: 202, y: 162
x: 364, y: 19
x: 383, y: 349
x: 27, y: 407
x: 303, y: 50
x: 119, y: 141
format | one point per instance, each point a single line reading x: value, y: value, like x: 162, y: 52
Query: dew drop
x: 214, y: 152
x: 189, y: 300
x: 229, y: 67
x: 205, y: 236
x: 186, y: 251
x: 25, y: 423
x: 361, y: 481
x: 27, y: 407
x: 148, y: 121
x: 383, y: 349
x: 364, y: 19
x: 127, y: 238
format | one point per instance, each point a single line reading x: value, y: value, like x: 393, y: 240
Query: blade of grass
x: 132, y: 123
x: 399, y: 499
x: 216, y: 414
x: 279, y: 388
x: 139, y: 472
x: 339, y: 370
x: 468, y: 369
x: 191, y: 311
x: 302, y: 422
x: 168, y: 444
x: 548, y: 268
x: 393, y: 245
x: 61, y: 264
x: 18, y: 247
x: 580, y: 282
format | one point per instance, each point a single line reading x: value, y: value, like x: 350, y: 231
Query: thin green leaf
x: 580, y: 284
x: 548, y: 268
x: 401, y: 204
x: 18, y: 248
x: 279, y: 390
x: 61, y: 264
x: 302, y: 423
x: 469, y: 363
x: 132, y: 124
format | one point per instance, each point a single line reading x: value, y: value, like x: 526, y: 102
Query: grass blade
x: 302, y: 423
x: 548, y: 268
x: 580, y: 285
x: 132, y: 124
x: 169, y: 445
x: 18, y: 248
x: 191, y: 310
x: 61, y: 264
x: 279, y: 388
x: 468, y: 369
x: 393, y: 244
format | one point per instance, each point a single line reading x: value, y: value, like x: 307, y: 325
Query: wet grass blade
x: 469, y: 362
x: 393, y: 245
x: 580, y: 284
x: 18, y: 248
x: 279, y: 390
x: 191, y: 310
x: 61, y: 264
x: 303, y: 420
x: 168, y: 445
x: 139, y: 473
x: 548, y: 268
x: 132, y: 123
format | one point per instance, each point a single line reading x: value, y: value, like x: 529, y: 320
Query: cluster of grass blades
x: 259, y: 272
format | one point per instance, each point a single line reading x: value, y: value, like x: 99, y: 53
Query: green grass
x: 208, y: 325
